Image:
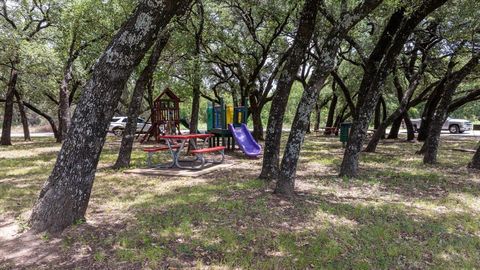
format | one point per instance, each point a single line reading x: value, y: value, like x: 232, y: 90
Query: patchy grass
x: 397, y: 214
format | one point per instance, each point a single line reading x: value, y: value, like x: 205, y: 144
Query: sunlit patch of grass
x: 23, y: 174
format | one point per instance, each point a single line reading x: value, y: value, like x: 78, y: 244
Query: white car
x: 453, y: 125
x: 117, y: 125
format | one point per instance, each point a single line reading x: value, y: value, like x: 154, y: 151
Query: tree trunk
x: 384, y: 112
x: 475, y: 164
x: 395, y: 128
x: 378, y: 114
x: 195, y: 108
x: 318, y: 112
x: 64, y: 114
x: 286, y: 178
x: 46, y: 116
x: 341, y: 116
x: 409, y: 125
x: 125, y: 152
x: 149, y: 97
x: 23, y: 116
x: 257, y: 124
x: 197, y: 81
x: 331, y: 114
x: 429, y: 111
x: 431, y: 105
x: 64, y: 197
x: 441, y: 113
x: 381, y: 61
x: 405, y: 99
x: 8, y: 114
x: 302, y: 39
x: 324, y: 66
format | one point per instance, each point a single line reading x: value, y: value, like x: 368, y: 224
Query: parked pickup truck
x: 453, y: 125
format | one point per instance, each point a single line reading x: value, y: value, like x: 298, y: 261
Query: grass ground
x: 397, y: 214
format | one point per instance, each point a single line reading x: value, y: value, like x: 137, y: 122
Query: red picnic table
x: 176, y: 144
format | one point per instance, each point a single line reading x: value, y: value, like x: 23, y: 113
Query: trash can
x: 344, y: 132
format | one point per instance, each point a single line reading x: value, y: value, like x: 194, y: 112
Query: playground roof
x: 169, y: 94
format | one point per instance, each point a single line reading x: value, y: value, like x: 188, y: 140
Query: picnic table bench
x: 201, y: 154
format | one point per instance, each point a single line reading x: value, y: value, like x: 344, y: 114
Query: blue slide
x: 245, y: 140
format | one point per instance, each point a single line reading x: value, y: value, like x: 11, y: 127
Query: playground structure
x: 165, y: 116
x: 228, y: 124
x: 219, y: 117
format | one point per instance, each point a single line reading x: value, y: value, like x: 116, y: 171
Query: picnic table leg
x: 193, y: 143
x: 202, y: 161
x: 222, y: 153
x: 173, y: 153
x: 176, y: 162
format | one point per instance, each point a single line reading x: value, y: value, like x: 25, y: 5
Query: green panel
x: 344, y: 131
x: 209, y: 118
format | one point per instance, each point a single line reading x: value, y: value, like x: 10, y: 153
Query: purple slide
x: 245, y: 140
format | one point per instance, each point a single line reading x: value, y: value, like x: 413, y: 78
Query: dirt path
x: 25, y: 250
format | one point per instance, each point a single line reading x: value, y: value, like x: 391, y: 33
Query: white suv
x: 453, y: 125
x: 117, y: 125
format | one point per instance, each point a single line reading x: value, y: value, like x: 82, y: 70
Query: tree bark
x: 475, y: 164
x: 395, y: 128
x: 441, y: 113
x: 429, y: 111
x: 378, y: 66
x: 257, y: 124
x: 126, y: 146
x: 8, y: 113
x: 318, y: 116
x: 195, y: 108
x: 23, y: 116
x: 409, y: 125
x: 64, y: 114
x: 341, y: 117
x: 384, y: 113
x: 331, y: 114
x: 197, y: 80
x: 378, y: 114
x: 297, y: 52
x: 473, y: 95
x: 64, y: 197
x: 46, y: 116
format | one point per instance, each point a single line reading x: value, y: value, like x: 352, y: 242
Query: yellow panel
x: 229, y: 114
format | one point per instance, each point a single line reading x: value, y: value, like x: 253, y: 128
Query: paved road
x: 33, y: 135
x: 445, y: 133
